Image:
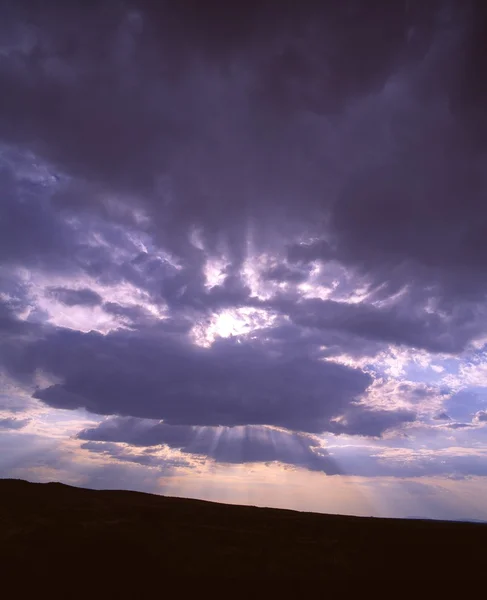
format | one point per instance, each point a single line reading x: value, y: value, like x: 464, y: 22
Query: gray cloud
x: 372, y: 422
x: 27, y: 456
x: 32, y: 234
x: 481, y: 416
x: 369, y: 461
x: 296, y: 110
x: 152, y: 374
x: 71, y: 297
x: 13, y: 423
x: 352, y: 134
x: 226, y: 445
x: 396, y: 325
x: 282, y: 273
x: 256, y: 444
x: 442, y: 416
x: 305, y: 253
x: 115, y: 451
x: 114, y: 96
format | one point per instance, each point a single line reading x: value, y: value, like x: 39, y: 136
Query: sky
x: 243, y: 251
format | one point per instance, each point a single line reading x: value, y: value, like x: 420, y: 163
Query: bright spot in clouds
x: 231, y: 323
x: 214, y: 271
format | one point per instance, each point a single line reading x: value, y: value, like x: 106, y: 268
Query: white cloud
x: 231, y: 323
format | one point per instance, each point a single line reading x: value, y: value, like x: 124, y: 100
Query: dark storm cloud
x: 71, y: 297
x: 11, y: 326
x: 336, y: 132
x: 396, y: 325
x: 196, y: 111
x: 151, y: 373
x: 319, y: 343
x: 8, y: 322
x: 422, y: 224
x: 154, y: 376
x: 31, y: 233
x: 253, y: 121
x: 229, y: 445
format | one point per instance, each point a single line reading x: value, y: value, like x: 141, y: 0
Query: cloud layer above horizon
x: 244, y: 235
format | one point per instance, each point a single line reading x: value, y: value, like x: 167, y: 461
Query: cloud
x: 271, y: 86
x: 37, y: 458
x: 442, y: 416
x: 393, y: 325
x: 308, y: 252
x: 123, y: 455
x: 480, y: 416
x: 32, y: 233
x: 70, y: 297
x: 257, y: 444
x: 13, y: 423
x: 372, y: 422
x: 281, y: 273
x: 238, y: 220
x: 300, y: 116
x: 370, y: 461
x: 225, y: 445
x: 150, y: 374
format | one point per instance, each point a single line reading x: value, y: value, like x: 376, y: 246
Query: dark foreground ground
x: 57, y: 528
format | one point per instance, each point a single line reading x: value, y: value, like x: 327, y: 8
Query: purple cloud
x: 247, y: 219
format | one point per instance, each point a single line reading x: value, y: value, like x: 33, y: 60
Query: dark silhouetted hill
x: 50, y: 528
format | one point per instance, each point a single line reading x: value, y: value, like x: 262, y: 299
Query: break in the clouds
x: 246, y: 235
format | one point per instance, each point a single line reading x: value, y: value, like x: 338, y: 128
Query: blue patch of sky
x: 464, y: 404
